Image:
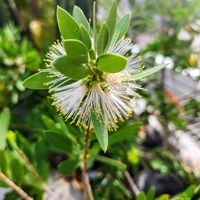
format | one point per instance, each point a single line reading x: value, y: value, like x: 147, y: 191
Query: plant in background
x: 18, y: 60
x: 91, y: 75
x: 30, y: 158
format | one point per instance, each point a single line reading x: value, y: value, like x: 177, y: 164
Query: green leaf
x: 17, y: 172
x: 151, y: 193
x: 49, y: 123
x: 85, y: 38
x: 4, y: 125
x: 147, y: 72
x: 3, y: 161
x: 111, y: 63
x: 68, y: 27
x: 65, y: 127
x: 116, y: 163
x: 190, y: 191
x: 68, y: 166
x: 38, y: 81
x: 41, y: 162
x: 32, y: 180
x: 111, y: 20
x: 58, y: 141
x: 122, y: 26
x: 141, y: 196
x: 124, y: 133
x: 100, y: 131
x: 80, y: 18
x: 92, y: 54
x: 76, y: 51
x: 165, y: 197
x: 64, y: 65
x: 102, y: 39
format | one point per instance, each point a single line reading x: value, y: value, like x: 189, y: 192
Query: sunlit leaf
x: 102, y: 39
x: 76, y: 51
x: 85, y: 37
x: 64, y: 65
x: 38, y: 81
x: 122, y: 26
x: 80, y: 18
x: 111, y: 20
x: 68, y: 27
x: 111, y: 63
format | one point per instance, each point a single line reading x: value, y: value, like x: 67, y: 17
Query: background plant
x: 136, y: 153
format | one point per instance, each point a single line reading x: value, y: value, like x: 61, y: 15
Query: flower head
x: 91, y: 74
x: 111, y: 95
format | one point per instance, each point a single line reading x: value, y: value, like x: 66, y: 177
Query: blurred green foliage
x: 18, y: 59
x: 41, y: 144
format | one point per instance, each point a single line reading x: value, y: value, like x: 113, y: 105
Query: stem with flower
x: 87, y: 187
x: 92, y: 76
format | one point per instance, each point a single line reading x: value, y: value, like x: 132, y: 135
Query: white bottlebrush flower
x: 112, y: 97
x: 91, y: 73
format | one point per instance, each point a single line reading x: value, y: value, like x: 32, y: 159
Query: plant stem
x: 17, y: 189
x: 135, y: 190
x: 86, y: 182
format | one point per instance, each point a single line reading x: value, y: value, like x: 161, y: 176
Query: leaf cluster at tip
x: 83, y: 44
x: 86, y: 50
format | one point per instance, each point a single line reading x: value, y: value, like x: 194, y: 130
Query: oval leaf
x: 147, y: 72
x: 102, y: 39
x: 38, y: 81
x: 80, y: 18
x: 100, y: 131
x: 111, y: 63
x: 122, y: 26
x: 68, y: 27
x: 64, y: 65
x: 85, y: 38
x: 111, y: 20
x: 68, y: 166
x: 4, y: 124
x: 76, y: 51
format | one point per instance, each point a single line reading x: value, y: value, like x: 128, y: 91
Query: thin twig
x: 17, y: 189
x: 135, y: 190
x: 32, y: 169
x: 86, y: 182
